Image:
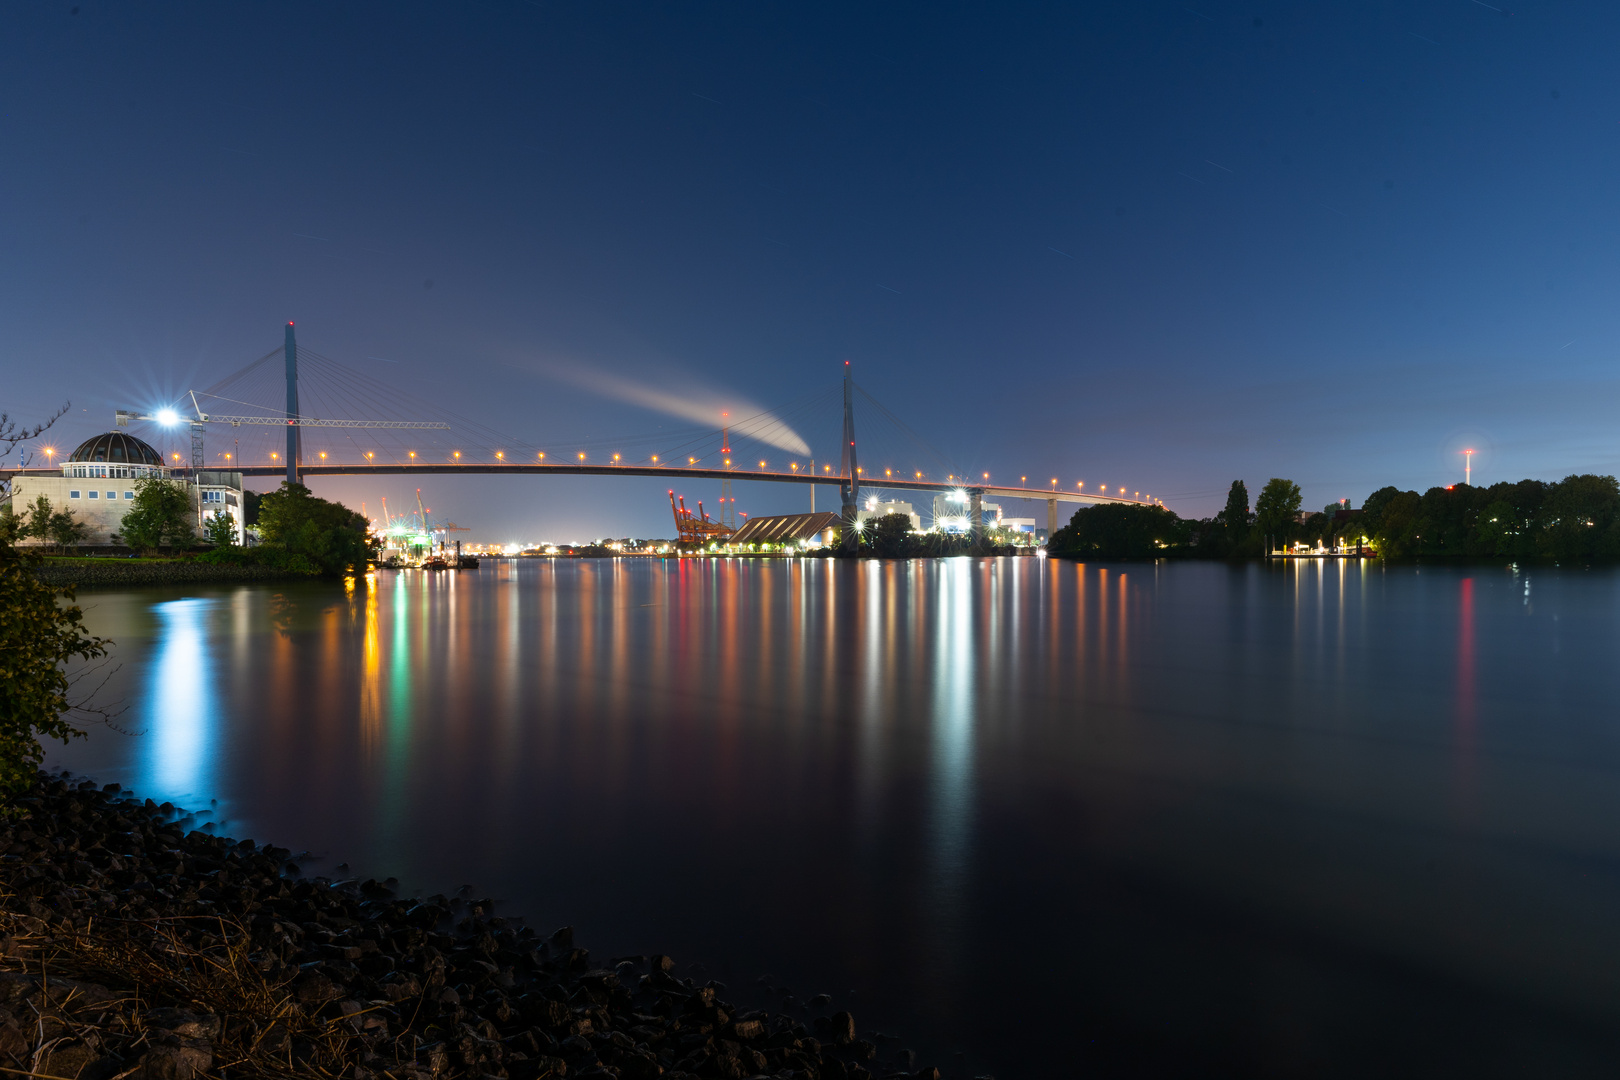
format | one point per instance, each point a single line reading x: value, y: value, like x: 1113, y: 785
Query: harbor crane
x: 292, y: 421
x: 171, y: 417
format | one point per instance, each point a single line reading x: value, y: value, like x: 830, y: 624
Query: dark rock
x: 78, y: 1061
x: 314, y: 988
x: 183, y: 1023
x: 748, y: 1030
x: 176, y: 1062
x: 840, y: 1028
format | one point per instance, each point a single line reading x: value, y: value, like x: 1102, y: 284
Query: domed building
x: 97, y: 485
x: 115, y: 448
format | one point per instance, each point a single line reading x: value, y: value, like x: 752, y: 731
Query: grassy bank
x: 88, y: 572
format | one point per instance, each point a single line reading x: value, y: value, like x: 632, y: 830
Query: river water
x: 1034, y: 818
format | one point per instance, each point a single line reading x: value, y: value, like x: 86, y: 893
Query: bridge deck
x: 674, y: 472
x: 671, y: 473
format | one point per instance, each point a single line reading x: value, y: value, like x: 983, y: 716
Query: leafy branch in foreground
x: 39, y: 637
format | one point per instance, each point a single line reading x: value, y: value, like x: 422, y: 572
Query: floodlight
x: 168, y: 417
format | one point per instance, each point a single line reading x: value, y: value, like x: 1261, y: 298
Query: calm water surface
x: 1036, y: 818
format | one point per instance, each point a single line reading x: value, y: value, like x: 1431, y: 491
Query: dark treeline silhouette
x: 1576, y: 519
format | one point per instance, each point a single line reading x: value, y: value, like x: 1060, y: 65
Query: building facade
x: 97, y: 483
x: 953, y: 512
x: 875, y: 510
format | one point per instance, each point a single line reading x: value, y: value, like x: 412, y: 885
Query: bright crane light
x: 168, y: 417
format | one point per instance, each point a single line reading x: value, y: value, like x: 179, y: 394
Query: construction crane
x: 170, y: 417
x: 695, y: 530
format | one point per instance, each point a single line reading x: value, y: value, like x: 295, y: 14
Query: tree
x: 1497, y: 530
x: 64, y: 530
x: 329, y: 534
x: 1236, y: 515
x: 39, y: 636
x: 1118, y: 531
x: 161, y: 516
x: 13, y: 435
x: 37, y: 525
x: 889, y: 536
x: 1582, y: 519
x: 220, y: 530
x: 1399, y: 526
x: 49, y: 525
x: 1277, y: 509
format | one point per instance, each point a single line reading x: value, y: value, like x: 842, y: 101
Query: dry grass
x: 262, y: 1029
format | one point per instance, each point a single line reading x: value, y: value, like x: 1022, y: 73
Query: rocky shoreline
x: 133, y: 948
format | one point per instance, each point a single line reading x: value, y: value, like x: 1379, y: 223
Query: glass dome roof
x: 116, y: 447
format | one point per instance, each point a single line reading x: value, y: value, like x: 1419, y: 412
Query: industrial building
x: 875, y: 510
x: 952, y: 510
x: 815, y: 528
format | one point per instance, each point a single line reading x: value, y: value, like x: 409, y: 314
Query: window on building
x: 95, y: 494
x: 73, y: 494
x: 112, y: 494
x: 129, y: 494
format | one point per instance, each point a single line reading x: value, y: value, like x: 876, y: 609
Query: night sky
x: 1164, y: 245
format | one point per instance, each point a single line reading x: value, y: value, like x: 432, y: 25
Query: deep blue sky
x: 1161, y: 244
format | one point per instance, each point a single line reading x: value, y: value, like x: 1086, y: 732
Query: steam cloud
x: 703, y: 410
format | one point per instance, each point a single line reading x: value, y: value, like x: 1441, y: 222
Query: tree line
x: 1576, y: 519
x: 299, y: 532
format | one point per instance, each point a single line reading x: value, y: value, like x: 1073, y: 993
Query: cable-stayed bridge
x: 296, y: 413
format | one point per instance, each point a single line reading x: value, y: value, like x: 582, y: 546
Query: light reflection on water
x: 181, y: 712
x: 1298, y: 820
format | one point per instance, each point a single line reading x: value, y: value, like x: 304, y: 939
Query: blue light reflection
x: 182, y: 706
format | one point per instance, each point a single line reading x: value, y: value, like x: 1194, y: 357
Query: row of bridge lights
x: 500, y: 455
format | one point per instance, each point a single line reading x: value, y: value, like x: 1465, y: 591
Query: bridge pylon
x: 850, y: 488
x: 294, y: 440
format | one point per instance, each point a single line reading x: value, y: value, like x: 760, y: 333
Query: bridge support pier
x: 976, y: 512
x: 1051, y: 519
